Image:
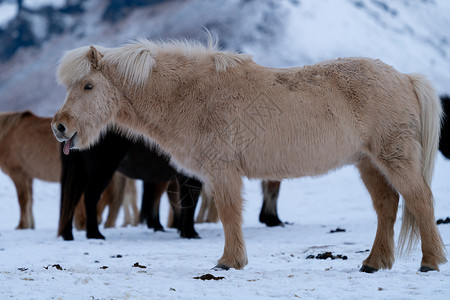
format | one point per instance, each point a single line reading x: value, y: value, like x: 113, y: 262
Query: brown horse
x: 29, y: 150
x: 220, y: 116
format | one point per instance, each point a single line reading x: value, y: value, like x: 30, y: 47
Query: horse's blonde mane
x: 135, y: 60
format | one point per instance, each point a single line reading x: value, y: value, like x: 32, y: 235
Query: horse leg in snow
x: 130, y: 200
x: 151, y: 199
x: 227, y: 195
x: 73, y: 183
x: 79, y: 216
x: 24, y: 185
x: 208, y: 210
x: 92, y: 194
x: 269, y: 214
x: 404, y: 172
x: 189, y: 192
x: 385, y: 202
x: 173, y: 193
x: 114, y: 196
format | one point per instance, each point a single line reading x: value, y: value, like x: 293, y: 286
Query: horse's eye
x: 88, y: 86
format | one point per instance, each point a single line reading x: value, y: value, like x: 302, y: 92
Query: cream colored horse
x: 221, y: 116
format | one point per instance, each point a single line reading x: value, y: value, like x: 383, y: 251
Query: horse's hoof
x: 67, y: 237
x: 367, y: 269
x: 158, y: 229
x: 270, y: 220
x: 96, y: 235
x: 426, y: 269
x: 221, y: 267
x: 189, y: 235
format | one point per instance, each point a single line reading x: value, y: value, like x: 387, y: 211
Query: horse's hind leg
x: 152, y: 198
x: 24, y: 193
x: 404, y: 170
x: 385, y: 202
x: 130, y: 200
x: 114, y: 195
x: 173, y: 193
x: 269, y: 215
x: 189, y: 192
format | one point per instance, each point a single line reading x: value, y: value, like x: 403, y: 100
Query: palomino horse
x: 89, y: 172
x: 28, y: 150
x: 221, y: 116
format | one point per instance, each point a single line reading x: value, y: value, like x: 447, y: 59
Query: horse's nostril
x: 61, y: 128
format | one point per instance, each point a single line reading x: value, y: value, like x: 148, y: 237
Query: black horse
x: 271, y: 189
x: 90, y: 171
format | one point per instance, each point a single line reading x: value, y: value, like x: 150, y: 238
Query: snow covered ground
x: 35, y: 264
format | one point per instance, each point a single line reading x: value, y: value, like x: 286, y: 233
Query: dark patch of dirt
x: 137, y: 265
x: 209, y: 277
x: 326, y: 255
x: 104, y: 267
x: 363, y: 251
x: 337, y: 230
x: 117, y: 256
x: 57, y: 266
x: 441, y: 221
x: 22, y: 269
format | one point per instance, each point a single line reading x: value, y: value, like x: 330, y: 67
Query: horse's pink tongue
x: 66, y: 148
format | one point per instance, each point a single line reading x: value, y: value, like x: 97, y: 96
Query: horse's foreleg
x: 385, y: 202
x: 269, y: 214
x: 227, y: 195
x: 25, y: 195
x: 91, y: 198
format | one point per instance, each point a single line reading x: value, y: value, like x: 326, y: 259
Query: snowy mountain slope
x: 412, y: 36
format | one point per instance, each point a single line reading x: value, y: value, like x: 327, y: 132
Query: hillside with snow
x: 412, y: 36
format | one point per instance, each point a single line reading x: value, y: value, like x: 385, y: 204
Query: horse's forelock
x: 73, y: 66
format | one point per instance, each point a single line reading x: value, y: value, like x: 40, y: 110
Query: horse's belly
x: 297, y: 160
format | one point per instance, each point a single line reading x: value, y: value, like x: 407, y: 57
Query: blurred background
x: 411, y: 35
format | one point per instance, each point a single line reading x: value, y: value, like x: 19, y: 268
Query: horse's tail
x: 9, y: 120
x: 431, y: 115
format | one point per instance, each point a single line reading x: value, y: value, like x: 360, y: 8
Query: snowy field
x: 35, y: 264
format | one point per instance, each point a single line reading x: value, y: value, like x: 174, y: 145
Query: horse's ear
x: 94, y: 56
